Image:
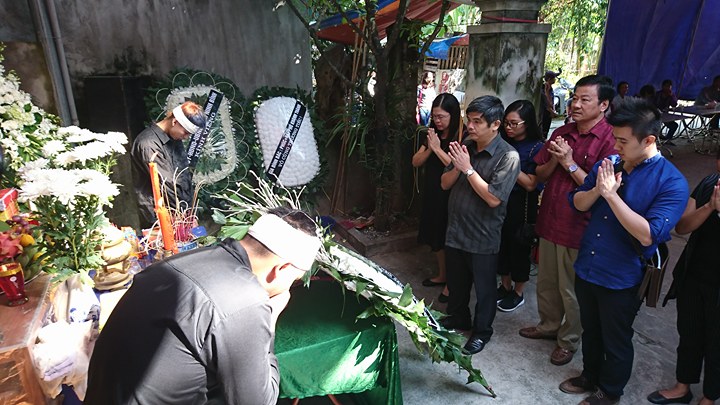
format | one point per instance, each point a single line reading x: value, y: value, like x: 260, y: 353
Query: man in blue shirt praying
x: 635, y: 198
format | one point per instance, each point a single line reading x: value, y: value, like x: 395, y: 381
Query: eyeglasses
x: 440, y: 116
x: 512, y: 124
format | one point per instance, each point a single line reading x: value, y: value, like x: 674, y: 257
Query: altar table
x: 18, y: 329
x: 322, y: 349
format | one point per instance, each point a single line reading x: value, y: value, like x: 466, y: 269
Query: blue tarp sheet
x: 647, y: 41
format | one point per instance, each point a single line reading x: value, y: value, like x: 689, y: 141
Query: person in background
x: 199, y: 327
x: 563, y: 163
x: 647, y: 92
x: 432, y: 154
x: 547, y: 101
x: 622, y: 90
x: 710, y: 97
x: 481, y: 174
x: 522, y: 133
x: 664, y: 100
x: 635, y: 199
x: 425, y: 95
x: 697, y: 289
x: 163, y: 142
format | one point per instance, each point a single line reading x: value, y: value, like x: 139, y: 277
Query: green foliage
x: 456, y: 20
x: 577, y: 30
x: 72, y: 236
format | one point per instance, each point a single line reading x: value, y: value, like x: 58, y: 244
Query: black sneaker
x: 511, y: 302
x: 502, y: 293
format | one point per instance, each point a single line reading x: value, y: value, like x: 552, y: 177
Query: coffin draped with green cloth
x: 323, y: 349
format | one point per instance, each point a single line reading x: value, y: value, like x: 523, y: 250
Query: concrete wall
x: 243, y: 40
x: 506, y: 64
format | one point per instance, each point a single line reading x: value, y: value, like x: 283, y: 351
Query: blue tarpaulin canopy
x: 648, y: 41
x: 440, y: 48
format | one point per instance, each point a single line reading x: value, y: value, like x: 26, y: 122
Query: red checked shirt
x: 557, y: 221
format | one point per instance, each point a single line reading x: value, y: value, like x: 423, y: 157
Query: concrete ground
x: 519, y: 369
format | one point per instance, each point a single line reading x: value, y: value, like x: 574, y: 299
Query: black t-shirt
x: 704, y: 261
x: 192, y: 329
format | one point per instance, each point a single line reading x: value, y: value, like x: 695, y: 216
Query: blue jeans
x: 424, y: 116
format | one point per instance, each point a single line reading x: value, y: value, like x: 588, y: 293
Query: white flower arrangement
x: 66, y: 185
x: 220, y: 144
x: 303, y: 162
x: 63, y: 173
x: 24, y: 128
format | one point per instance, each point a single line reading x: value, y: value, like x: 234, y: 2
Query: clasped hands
x: 715, y: 198
x: 561, y: 151
x: 433, y: 140
x: 459, y: 157
x: 608, y: 182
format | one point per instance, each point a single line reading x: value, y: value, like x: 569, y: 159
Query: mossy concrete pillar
x: 507, y: 51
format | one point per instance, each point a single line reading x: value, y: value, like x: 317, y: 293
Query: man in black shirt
x: 162, y: 143
x: 199, y: 327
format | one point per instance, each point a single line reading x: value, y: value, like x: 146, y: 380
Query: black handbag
x: 525, y: 235
x: 654, y: 273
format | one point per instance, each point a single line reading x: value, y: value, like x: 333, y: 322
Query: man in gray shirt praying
x: 481, y: 176
x: 199, y: 327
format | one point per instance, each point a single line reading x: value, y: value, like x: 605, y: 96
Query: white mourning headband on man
x: 183, y: 120
x: 291, y: 244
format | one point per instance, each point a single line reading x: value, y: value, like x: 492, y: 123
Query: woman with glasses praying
x: 432, y: 155
x: 520, y: 129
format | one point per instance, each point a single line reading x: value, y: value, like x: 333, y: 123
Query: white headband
x: 293, y: 245
x: 183, y: 120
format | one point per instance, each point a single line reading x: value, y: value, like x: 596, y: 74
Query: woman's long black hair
x: 448, y: 103
x: 526, y: 111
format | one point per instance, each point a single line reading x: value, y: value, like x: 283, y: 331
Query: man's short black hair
x: 296, y: 218
x: 666, y: 82
x: 604, y: 84
x: 490, y: 107
x: 639, y: 115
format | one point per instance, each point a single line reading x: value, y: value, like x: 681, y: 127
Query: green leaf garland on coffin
x: 388, y: 297
x: 225, y: 159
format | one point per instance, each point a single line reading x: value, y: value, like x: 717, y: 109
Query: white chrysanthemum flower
x: 94, y: 183
x: 65, y: 158
x: 53, y: 147
x: 30, y: 167
x: 74, y: 134
x: 10, y: 125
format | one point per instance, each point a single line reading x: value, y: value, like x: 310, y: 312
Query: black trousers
x: 464, y: 269
x: 698, y: 323
x: 672, y: 126
x: 607, y: 316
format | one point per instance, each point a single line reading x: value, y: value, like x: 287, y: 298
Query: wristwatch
x: 573, y: 168
x: 469, y: 172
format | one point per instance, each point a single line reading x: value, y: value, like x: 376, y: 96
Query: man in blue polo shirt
x: 634, y: 195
